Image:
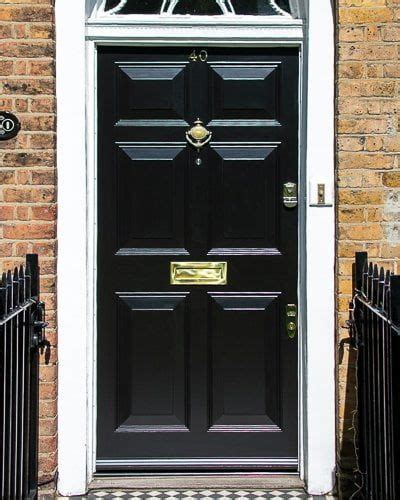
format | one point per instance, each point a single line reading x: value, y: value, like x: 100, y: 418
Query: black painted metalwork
x: 21, y: 336
x: 9, y: 126
x: 199, y: 7
x: 375, y: 327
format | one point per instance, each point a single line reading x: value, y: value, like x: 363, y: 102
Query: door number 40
x: 200, y: 56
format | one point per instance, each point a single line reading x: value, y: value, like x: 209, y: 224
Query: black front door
x: 197, y: 375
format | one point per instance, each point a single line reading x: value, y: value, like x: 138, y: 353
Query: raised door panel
x: 151, y: 199
x: 151, y: 94
x: 152, y: 362
x: 243, y: 92
x: 244, y: 187
x: 244, y: 363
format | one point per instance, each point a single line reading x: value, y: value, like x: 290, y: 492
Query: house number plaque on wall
x: 9, y: 126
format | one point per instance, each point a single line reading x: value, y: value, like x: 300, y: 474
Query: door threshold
x: 240, y: 480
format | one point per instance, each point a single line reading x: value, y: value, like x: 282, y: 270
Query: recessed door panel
x: 197, y: 259
x: 153, y: 91
x: 245, y: 371
x: 244, y: 182
x: 151, y: 198
x: 245, y: 92
x: 152, y: 363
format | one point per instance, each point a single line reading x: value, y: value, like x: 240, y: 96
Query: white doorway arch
x: 76, y: 110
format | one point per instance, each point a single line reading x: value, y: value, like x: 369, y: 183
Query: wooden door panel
x: 151, y: 198
x: 245, y: 368
x: 245, y: 92
x: 151, y: 91
x: 196, y: 377
x: 244, y: 181
x: 152, y: 362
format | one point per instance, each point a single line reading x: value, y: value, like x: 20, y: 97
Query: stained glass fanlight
x: 198, y: 7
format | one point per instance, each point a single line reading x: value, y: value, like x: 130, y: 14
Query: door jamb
x: 76, y: 90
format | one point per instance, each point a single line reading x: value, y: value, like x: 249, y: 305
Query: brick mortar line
x: 365, y: 97
x: 24, y: 76
x: 28, y: 204
x: 49, y: 59
x: 32, y: 96
x: 31, y: 132
x: 369, y: 116
x: 35, y: 241
x: 375, y: 79
x: 349, y: 260
x: 380, y: 135
x: 25, y: 187
x: 36, y: 40
x: 38, y: 6
x: 362, y: 43
x: 32, y: 151
x: 7, y: 23
x: 32, y: 114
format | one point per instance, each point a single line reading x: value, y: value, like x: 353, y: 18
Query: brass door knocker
x: 198, y: 136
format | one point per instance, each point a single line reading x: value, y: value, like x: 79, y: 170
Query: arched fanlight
x: 117, y: 8
x: 278, y: 9
x: 168, y: 7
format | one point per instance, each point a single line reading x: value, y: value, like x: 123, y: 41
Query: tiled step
x: 200, y: 494
x: 217, y: 481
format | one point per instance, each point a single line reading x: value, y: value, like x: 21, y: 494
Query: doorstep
x: 251, y: 486
x: 198, y: 481
x: 172, y: 494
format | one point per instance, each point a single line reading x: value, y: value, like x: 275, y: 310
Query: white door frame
x: 76, y: 153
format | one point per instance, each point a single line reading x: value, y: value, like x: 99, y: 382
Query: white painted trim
x: 205, y: 34
x: 72, y: 284
x: 91, y: 140
x: 320, y: 349
x: 76, y: 75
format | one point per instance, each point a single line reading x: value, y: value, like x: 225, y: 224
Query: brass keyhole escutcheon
x: 198, y: 136
x: 291, y: 320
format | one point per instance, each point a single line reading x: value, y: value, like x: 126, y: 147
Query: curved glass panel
x: 136, y: 6
x: 199, y: 7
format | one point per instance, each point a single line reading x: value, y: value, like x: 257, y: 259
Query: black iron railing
x: 375, y: 326
x: 21, y: 327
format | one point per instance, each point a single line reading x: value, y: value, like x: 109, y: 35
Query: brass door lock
x: 290, y: 195
x: 291, y: 320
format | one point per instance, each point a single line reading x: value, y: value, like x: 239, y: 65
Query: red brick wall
x: 28, y: 174
x: 368, y: 144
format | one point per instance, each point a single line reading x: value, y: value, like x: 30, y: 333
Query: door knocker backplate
x: 198, y: 136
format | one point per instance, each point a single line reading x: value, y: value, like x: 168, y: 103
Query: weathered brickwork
x: 27, y: 174
x: 368, y: 174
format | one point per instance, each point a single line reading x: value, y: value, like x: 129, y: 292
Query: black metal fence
x: 21, y: 327
x: 375, y: 326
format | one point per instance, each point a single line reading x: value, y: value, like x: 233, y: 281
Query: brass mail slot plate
x: 199, y: 273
